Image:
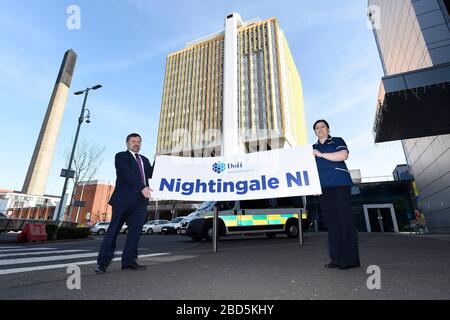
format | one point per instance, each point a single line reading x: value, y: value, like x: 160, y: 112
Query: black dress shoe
x: 101, y: 268
x: 134, y: 266
x: 346, y: 267
x: 332, y: 265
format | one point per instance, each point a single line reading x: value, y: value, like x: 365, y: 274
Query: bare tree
x: 174, y: 204
x: 86, y: 161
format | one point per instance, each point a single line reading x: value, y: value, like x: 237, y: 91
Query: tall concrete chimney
x: 40, y: 164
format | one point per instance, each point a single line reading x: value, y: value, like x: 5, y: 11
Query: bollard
x: 300, y: 228
x: 32, y: 232
x: 215, y: 219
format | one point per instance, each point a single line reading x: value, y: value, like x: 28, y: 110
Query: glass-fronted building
x: 413, y: 39
x: 386, y: 206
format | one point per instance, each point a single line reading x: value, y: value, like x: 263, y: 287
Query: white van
x: 269, y: 216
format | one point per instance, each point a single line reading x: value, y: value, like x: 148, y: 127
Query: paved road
x: 412, y: 267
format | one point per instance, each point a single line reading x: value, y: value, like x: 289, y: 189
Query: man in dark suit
x: 129, y: 204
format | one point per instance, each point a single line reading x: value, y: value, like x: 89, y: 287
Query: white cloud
x: 21, y: 80
x: 373, y: 159
x: 312, y: 15
x: 361, y: 142
x: 351, y: 85
x: 133, y: 59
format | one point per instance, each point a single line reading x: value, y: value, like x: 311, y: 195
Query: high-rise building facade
x: 237, y: 89
x: 413, y: 38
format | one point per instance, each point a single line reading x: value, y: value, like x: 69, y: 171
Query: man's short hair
x: 133, y: 135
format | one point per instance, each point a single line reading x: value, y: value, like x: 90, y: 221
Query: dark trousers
x: 135, y: 217
x: 335, y: 203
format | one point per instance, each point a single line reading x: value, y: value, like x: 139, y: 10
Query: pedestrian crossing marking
x: 52, y: 258
x: 65, y: 265
x: 28, y: 249
x: 37, y: 253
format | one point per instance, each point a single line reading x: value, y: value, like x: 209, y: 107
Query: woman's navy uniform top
x: 332, y: 173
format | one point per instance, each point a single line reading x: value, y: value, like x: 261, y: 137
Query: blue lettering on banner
x: 306, y: 178
x: 274, y: 183
x: 297, y: 179
x: 240, y: 187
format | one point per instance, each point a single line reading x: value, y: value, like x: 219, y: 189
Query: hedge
x: 66, y: 233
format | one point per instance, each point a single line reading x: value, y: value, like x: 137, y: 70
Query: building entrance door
x: 380, y: 218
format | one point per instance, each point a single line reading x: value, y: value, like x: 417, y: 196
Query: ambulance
x: 268, y: 216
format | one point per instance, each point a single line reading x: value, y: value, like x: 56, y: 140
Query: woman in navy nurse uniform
x: 335, y: 201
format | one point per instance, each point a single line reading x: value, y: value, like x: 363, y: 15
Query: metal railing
x: 377, y: 179
x: 7, y: 224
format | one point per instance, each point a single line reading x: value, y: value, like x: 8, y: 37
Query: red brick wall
x: 38, y: 213
x: 96, y: 199
x: 95, y: 196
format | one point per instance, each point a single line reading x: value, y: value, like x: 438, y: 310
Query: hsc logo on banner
x: 220, y: 167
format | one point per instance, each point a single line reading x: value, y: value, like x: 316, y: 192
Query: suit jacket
x: 129, y: 183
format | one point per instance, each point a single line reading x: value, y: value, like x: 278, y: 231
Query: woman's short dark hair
x: 133, y: 135
x: 321, y: 120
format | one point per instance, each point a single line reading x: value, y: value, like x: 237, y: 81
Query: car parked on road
x: 100, y: 227
x: 173, y: 226
x: 154, y: 226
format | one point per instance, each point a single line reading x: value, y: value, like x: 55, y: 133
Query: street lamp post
x: 68, y: 173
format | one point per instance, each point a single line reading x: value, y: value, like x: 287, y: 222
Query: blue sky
x: 123, y: 46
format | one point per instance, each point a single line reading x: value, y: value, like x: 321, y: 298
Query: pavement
x: 411, y: 267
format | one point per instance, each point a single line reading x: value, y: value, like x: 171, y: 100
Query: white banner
x: 266, y: 174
